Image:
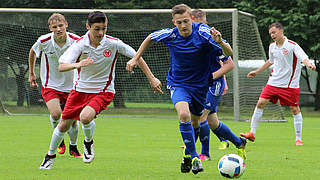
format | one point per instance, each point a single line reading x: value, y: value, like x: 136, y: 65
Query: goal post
x: 20, y: 28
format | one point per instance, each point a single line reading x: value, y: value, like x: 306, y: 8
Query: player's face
x: 275, y: 33
x: 97, y: 31
x: 59, y: 28
x: 184, y: 23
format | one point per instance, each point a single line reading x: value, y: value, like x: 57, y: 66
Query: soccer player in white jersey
x: 283, y: 83
x: 94, y: 89
x: 55, y: 85
x: 189, y: 45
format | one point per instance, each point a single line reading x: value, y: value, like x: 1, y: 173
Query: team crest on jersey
x: 285, y: 51
x: 107, y: 53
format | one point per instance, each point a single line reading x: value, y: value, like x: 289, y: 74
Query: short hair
x: 180, y: 9
x: 277, y: 25
x: 56, y: 17
x: 96, y: 17
x: 198, y: 13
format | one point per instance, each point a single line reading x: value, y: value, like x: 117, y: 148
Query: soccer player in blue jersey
x: 189, y: 45
x: 217, y: 84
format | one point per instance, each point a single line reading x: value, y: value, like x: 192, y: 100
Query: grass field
x: 147, y: 147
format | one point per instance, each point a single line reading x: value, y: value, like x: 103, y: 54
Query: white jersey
x: 49, y: 73
x: 287, y: 64
x: 98, y: 76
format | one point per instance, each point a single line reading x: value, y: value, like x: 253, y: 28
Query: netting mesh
x: 20, y: 30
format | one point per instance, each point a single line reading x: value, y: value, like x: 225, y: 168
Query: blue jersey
x: 190, y: 66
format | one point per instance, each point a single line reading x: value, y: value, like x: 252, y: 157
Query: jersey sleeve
x: 161, y: 35
x: 37, y: 48
x: 271, y: 58
x: 204, y: 31
x: 223, y: 58
x: 125, y: 49
x: 300, y: 53
x: 72, y: 53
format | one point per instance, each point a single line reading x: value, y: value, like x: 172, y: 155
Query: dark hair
x: 96, y: 17
x: 198, y: 13
x: 180, y: 9
x: 277, y: 25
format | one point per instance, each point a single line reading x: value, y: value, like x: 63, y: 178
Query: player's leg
x: 256, y: 117
x: 55, y: 116
x: 224, y: 144
x: 204, y: 137
x: 223, y: 131
x: 88, y: 126
x: 73, y: 137
x: 297, y: 119
x: 57, y: 137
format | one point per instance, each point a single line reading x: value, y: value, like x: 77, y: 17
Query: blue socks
x: 187, y: 134
x: 223, y: 131
x: 205, y: 137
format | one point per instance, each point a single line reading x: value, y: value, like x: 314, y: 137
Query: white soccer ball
x: 231, y: 166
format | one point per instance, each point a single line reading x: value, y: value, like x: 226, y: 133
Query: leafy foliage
x: 299, y: 18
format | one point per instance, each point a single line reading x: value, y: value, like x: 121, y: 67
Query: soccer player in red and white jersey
x: 283, y: 83
x: 55, y: 85
x: 94, y: 89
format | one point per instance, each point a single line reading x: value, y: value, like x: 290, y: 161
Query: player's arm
x: 32, y: 74
x: 64, y: 66
x: 134, y: 61
x: 227, y: 67
x: 226, y: 88
x: 154, y: 82
x: 67, y: 60
x: 265, y: 66
x: 216, y: 36
x: 308, y: 64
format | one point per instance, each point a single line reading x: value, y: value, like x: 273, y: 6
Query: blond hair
x: 56, y: 17
x: 180, y: 9
x: 198, y: 13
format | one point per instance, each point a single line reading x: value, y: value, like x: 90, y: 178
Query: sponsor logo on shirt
x: 107, y: 53
x: 285, y: 51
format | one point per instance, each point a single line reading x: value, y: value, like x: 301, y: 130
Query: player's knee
x: 184, y: 116
x: 85, y: 118
x: 295, y: 110
x: 56, y: 115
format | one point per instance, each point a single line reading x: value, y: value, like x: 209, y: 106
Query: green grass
x: 148, y: 148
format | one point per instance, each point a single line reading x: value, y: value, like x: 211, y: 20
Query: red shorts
x: 78, y: 100
x: 287, y: 96
x: 48, y: 94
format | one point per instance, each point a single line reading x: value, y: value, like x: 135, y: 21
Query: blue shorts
x: 214, y: 95
x: 194, y: 96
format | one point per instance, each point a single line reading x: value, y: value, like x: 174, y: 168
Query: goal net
x: 20, y: 28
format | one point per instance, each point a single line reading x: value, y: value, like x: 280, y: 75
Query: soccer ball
x: 231, y: 166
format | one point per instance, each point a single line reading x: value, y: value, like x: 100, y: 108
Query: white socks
x: 53, y: 122
x: 256, y: 117
x: 298, y: 125
x: 88, y: 130
x: 73, y: 133
x: 56, y: 139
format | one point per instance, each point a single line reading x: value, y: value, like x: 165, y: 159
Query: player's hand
x: 216, y: 35
x: 252, y: 74
x: 133, y: 63
x: 84, y: 62
x: 33, y: 80
x: 225, y: 91
x: 156, y: 85
x: 311, y: 66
